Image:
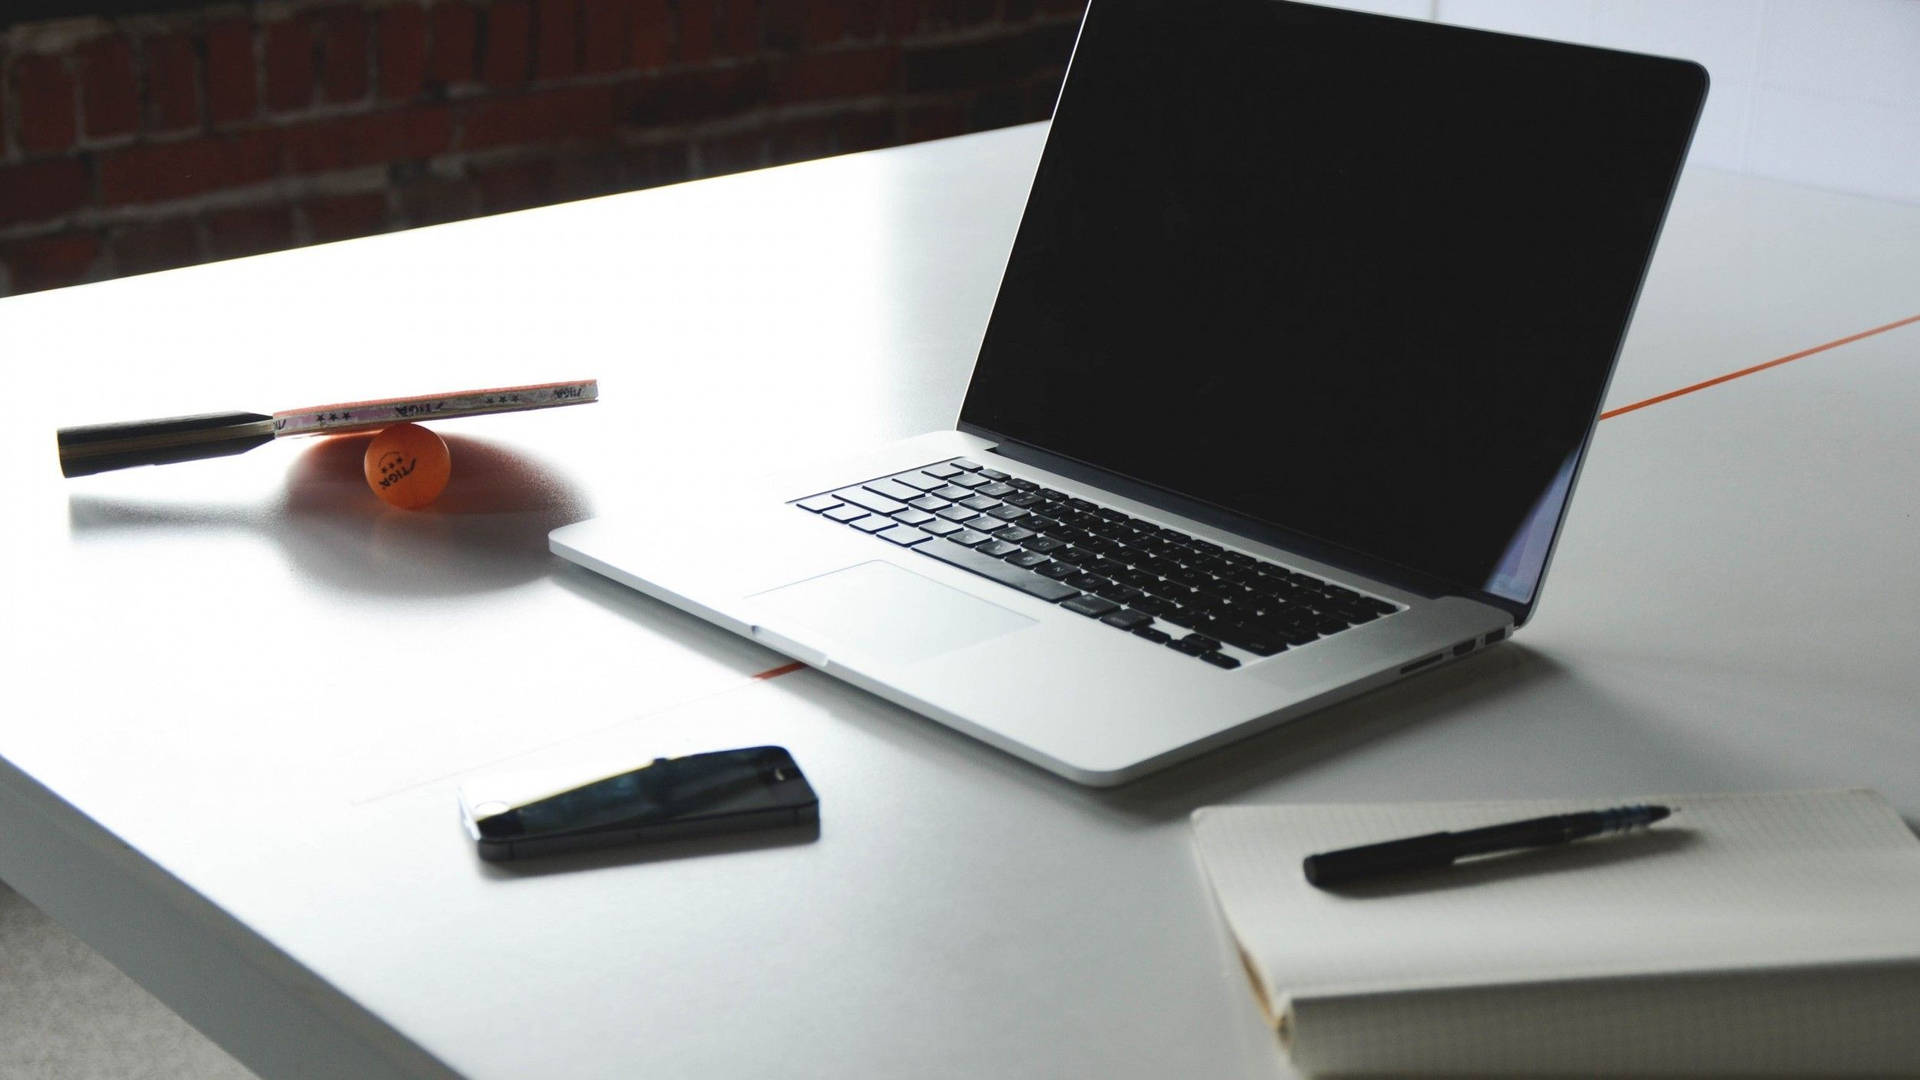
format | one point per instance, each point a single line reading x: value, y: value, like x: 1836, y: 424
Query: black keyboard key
x: 1008, y: 513
x: 965, y: 480
x: 1203, y: 640
x: 1023, y: 500
x: 1220, y: 660
x: 1158, y: 637
x: 955, y: 512
x: 992, y: 474
x: 879, y: 504
x: 892, y: 489
x: 1091, y: 606
x: 1089, y: 582
x: 1127, y: 619
x: 950, y: 493
x: 997, y: 548
x: 1023, y: 485
x: 980, y: 502
x: 929, y: 503
x: 969, y: 537
x: 996, y: 489
x: 1014, y: 534
x: 940, y: 528
x: 1251, y: 638
x: 940, y: 472
x: 1055, y: 496
x: 873, y: 523
x: 1044, y: 544
x: 845, y: 513
x: 963, y: 463
x: 818, y: 503
x: 988, y: 567
x: 983, y: 522
x: 1188, y: 645
x: 904, y: 535
x: 1028, y: 559
x: 914, y: 517
x: 1057, y: 570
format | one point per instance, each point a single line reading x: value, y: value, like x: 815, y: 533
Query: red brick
x: 575, y: 112
x: 289, y: 64
x: 738, y: 28
x: 343, y: 34
x: 801, y: 140
x: 695, y: 31
x: 653, y: 35
x: 456, y: 43
x: 557, y: 40
x: 509, y: 40
x: 865, y: 131
x: 733, y: 153
x: 173, y: 99
x: 516, y: 185
x: 174, y: 170
x: 866, y: 19
x: 44, y: 95
x: 369, y: 139
x: 933, y: 122
x: 992, y: 61
x: 249, y: 230
x: 402, y: 51
x: 42, y: 190
x: 846, y: 73
x: 826, y: 22
x: 232, y: 91
x: 785, y: 24
x: 49, y: 262
x: 109, y: 91
x: 701, y: 94
x: 606, y: 34
x: 430, y: 200
x: 158, y: 245
x: 342, y: 217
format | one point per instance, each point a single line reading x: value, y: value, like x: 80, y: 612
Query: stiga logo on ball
x: 407, y: 466
x: 395, y: 467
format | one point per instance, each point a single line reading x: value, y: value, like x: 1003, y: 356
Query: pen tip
x: 1655, y: 813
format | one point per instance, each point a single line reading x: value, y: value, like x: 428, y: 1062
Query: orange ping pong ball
x: 408, y: 466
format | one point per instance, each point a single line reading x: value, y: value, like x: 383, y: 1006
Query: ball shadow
x: 487, y: 531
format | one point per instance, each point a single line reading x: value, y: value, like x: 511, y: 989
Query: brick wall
x: 140, y: 142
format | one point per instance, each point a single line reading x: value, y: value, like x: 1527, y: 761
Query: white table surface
x: 241, y: 693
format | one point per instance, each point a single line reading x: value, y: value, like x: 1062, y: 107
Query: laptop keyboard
x: 1156, y: 583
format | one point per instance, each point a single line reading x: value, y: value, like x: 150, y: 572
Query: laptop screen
x: 1359, y: 278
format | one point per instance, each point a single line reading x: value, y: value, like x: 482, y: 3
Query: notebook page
x: 1728, y: 882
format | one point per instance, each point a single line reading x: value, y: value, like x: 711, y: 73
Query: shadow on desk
x: 487, y: 531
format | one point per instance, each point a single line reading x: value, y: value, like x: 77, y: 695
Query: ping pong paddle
x: 102, y: 447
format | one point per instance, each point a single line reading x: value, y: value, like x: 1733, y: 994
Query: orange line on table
x: 1669, y: 395
x: 784, y: 669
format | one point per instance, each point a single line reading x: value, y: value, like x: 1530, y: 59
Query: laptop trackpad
x: 883, y: 611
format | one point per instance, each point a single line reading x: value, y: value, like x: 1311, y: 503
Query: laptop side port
x: 1428, y: 661
x: 1463, y: 648
x: 1496, y: 637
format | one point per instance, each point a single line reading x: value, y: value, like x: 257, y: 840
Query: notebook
x: 1749, y: 934
x: 1297, y: 352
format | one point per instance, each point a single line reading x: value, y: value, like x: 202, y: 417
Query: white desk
x: 241, y: 693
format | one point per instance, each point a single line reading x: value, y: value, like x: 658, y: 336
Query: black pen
x: 1435, y: 850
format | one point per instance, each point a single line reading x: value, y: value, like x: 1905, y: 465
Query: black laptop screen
x: 1358, y: 278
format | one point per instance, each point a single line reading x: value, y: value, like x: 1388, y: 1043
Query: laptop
x: 1298, y: 349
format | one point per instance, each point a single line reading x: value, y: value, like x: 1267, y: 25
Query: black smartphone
x: 758, y: 787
